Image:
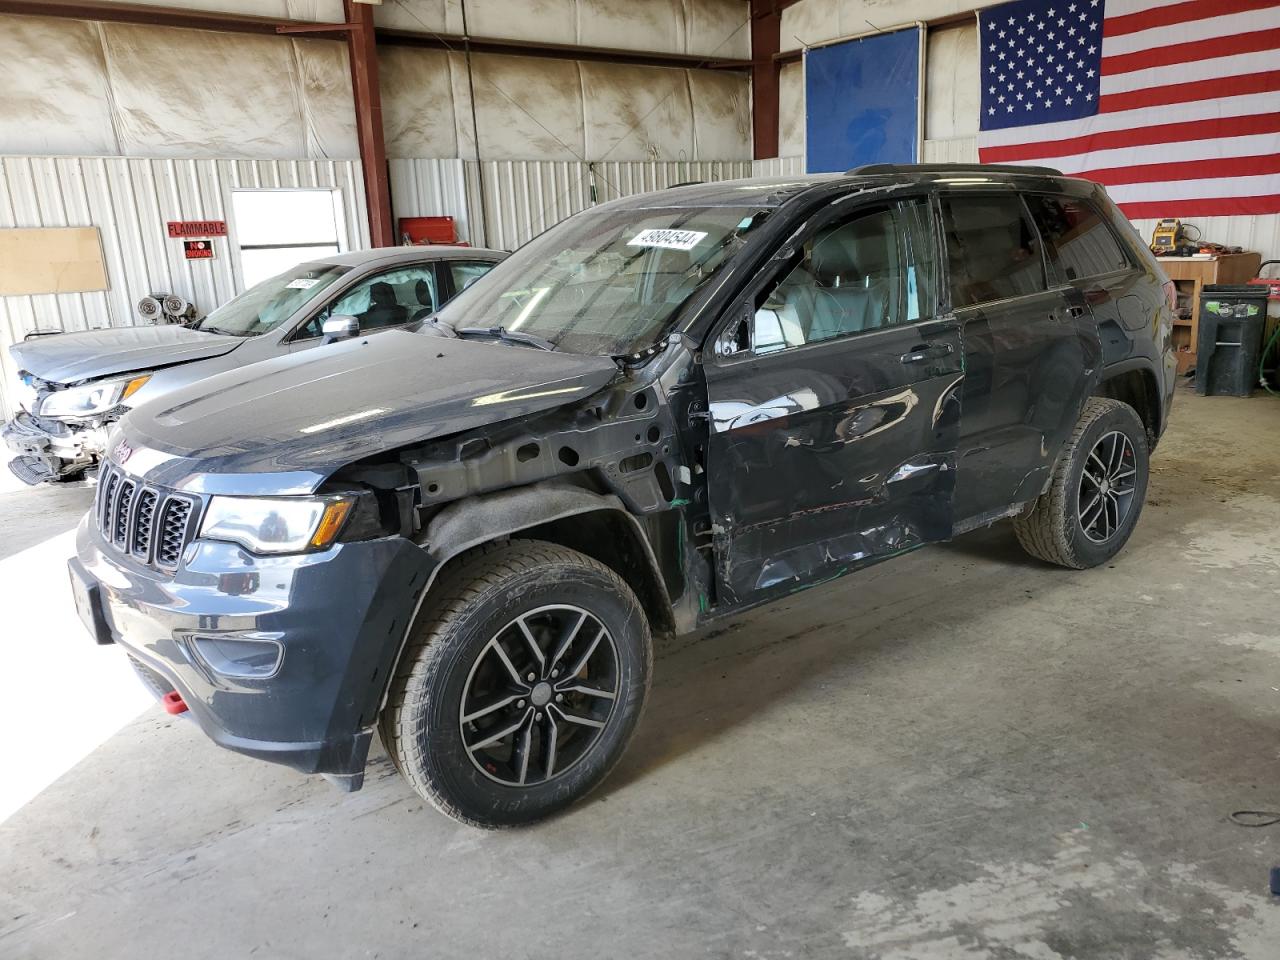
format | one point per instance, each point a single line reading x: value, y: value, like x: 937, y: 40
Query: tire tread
x: 1043, y: 532
x: 462, y: 584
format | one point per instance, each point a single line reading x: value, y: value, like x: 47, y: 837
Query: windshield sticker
x: 302, y: 283
x: 667, y: 239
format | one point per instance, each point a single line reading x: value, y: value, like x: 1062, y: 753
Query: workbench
x: 1190, y: 275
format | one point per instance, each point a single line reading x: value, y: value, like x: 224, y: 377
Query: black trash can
x: 1231, y: 321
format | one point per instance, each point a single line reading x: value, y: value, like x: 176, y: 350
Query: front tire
x: 1097, y: 491
x: 522, y: 687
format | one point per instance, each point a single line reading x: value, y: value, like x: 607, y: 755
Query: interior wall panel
x: 699, y: 27
x: 40, y: 55
x: 562, y: 110
x: 951, y: 83
x: 637, y: 113
x: 129, y: 200
x: 94, y: 89
x: 422, y: 108
x: 247, y: 98
x: 721, y: 113
x: 791, y: 110
x: 527, y: 107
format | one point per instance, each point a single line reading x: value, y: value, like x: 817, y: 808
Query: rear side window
x: 1076, y: 238
x: 993, y: 250
x: 467, y: 272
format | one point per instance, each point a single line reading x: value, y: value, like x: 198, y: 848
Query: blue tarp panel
x: 861, y: 100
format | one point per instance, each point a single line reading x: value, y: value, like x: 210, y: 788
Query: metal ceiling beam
x: 146, y: 14
x: 558, y: 51
x: 142, y: 13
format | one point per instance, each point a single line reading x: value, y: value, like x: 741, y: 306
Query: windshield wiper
x: 218, y: 331
x: 506, y: 336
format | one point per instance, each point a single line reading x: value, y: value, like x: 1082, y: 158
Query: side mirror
x: 340, y: 327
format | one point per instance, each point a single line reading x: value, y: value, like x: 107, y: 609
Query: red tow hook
x: 173, y: 703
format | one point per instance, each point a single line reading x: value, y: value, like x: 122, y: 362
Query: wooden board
x: 51, y: 260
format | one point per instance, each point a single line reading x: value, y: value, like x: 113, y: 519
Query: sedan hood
x: 72, y: 357
x: 312, y: 412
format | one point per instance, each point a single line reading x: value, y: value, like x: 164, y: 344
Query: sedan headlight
x: 276, y: 524
x: 91, y: 398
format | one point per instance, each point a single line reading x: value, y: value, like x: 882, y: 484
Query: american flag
x: 1173, y: 105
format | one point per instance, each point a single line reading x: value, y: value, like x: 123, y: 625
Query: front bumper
x: 337, y: 618
x: 60, y: 448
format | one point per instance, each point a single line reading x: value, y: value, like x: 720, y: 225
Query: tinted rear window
x: 993, y: 251
x: 1076, y: 238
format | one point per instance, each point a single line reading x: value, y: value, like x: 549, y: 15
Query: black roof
x: 767, y: 192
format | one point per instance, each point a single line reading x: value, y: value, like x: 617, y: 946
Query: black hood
x: 72, y: 357
x: 310, y: 413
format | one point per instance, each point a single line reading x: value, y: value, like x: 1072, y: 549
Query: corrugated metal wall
x: 524, y: 197
x: 778, y: 167
x: 129, y: 200
x: 432, y: 188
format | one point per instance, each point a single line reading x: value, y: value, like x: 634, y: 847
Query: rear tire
x: 529, y: 638
x: 1097, y: 491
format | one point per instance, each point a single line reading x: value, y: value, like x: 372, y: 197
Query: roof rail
x: 872, y: 168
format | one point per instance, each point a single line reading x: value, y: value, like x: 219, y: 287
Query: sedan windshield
x: 606, y: 281
x: 264, y: 307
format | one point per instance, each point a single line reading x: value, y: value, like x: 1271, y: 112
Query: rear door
x: 1085, y: 254
x: 833, y: 402
x: 1029, y: 352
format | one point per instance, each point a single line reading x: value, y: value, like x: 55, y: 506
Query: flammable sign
x: 198, y: 249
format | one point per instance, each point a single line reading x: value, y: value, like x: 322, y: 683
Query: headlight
x: 276, y: 524
x: 91, y: 398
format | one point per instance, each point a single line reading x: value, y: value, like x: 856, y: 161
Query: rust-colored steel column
x: 362, y: 47
x: 766, y: 39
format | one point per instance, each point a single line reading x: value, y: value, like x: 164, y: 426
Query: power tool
x: 1165, y: 237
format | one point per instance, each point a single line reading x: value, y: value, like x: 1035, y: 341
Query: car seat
x: 422, y: 293
x: 384, y: 310
x: 851, y: 298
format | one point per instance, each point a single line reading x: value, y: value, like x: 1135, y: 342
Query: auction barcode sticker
x: 668, y: 239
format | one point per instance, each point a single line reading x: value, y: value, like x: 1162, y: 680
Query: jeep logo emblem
x: 123, y: 452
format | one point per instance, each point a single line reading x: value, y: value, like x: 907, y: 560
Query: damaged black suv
x: 665, y: 410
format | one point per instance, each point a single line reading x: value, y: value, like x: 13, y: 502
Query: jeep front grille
x: 152, y: 524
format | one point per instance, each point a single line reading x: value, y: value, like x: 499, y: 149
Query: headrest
x: 422, y: 290
x: 833, y: 256
x: 382, y: 294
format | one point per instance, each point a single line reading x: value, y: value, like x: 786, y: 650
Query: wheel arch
x: 596, y: 524
x: 1136, y: 385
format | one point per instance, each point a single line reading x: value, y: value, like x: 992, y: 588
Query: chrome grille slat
x: 151, y: 524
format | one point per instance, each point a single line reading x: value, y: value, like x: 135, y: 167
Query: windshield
x: 606, y: 281
x: 270, y: 303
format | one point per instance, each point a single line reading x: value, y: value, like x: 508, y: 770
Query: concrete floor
x: 961, y: 753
